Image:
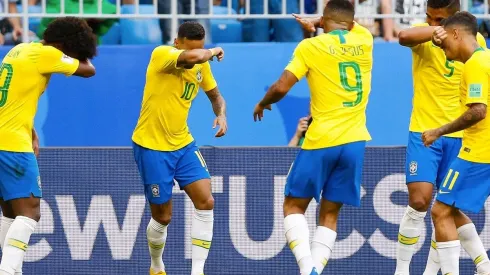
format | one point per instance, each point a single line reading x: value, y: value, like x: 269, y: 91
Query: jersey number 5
x: 449, y: 65
x: 4, y: 89
x: 357, y: 87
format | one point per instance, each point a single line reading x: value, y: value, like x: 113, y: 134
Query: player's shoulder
x: 481, y: 40
x: 164, y: 49
x: 364, y: 32
x: 480, y: 60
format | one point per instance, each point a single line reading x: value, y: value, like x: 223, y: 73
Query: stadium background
x: 94, y: 214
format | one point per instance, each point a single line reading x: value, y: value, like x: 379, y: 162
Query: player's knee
x: 205, y: 203
x: 440, y: 211
x: 419, y: 203
x: 163, y: 218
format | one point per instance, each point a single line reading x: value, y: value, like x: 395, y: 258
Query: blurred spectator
x: 184, y: 7
x: 265, y: 30
x: 11, y: 28
x: 384, y: 30
x: 99, y: 26
x: 299, y: 136
x: 409, y: 7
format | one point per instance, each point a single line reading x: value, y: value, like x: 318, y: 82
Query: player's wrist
x: 213, y: 51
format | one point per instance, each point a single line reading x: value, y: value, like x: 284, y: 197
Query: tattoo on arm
x: 473, y: 115
x: 217, y: 101
x: 279, y: 89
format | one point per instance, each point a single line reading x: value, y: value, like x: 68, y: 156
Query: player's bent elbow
x: 403, y: 38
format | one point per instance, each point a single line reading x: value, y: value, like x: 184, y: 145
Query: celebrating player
x: 337, y: 66
x: 467, y: 183
x: 436, y: 102
x: 164, y: 149
x: 24, y: 74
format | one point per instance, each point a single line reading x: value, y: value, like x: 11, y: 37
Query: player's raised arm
x: 85, y: 69
x: 416, y: 35
x: 199, y: 56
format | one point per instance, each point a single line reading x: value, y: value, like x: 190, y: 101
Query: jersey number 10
x: 357, y: 88
x: 4, y: 89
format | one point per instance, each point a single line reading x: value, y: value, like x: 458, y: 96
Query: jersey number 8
x: 4, y: 89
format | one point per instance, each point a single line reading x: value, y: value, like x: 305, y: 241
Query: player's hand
x: 218, y: 52
x: 223, y: 126
x: 259, y: 111
x: 35, y: 145
x: 17, y: 34
x: 306, y: 24
x: 430, y: 136
x: 439, y: 35
x: 302, y: 126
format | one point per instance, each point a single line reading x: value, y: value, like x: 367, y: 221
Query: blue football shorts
x: 430, y: 164
x: 466, y: 185
x: 333, y: 173
x: 19, y: 176
x: 158, y: 169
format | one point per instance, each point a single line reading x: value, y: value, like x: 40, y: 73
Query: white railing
x: 174, y: 16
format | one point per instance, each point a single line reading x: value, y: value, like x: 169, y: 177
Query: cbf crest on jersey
x: 199, y: 76
x: 155, y: 190
x: 413, y: 167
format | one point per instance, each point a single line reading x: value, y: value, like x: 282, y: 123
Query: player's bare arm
x: 219, y: 109
x: 85, y: 69
x: 414, y: 36
x: 476, y: 113
x: 275, y: 93
x: 199, y: 56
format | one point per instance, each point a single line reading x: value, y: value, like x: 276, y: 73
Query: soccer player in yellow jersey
x: 466, y: 185
x: 435, y: 102
x: 337, y: 66
x: 24, y: 75
x: 165, y: 150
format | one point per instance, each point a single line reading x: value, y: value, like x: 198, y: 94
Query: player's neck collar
x: 339, y: 32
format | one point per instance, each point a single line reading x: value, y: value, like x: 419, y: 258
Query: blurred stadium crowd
x: 157, y: 31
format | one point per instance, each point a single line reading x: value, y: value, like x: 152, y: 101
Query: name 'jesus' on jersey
x: 337, y: 66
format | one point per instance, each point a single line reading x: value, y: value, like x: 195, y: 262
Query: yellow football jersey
x: 24, y: 74
x: 337, y: 66
x: 474, y: 89
x: 167, y: 98
x: 435, y: 87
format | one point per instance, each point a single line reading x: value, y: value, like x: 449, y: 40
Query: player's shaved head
x: 339, y: 10
x: 338, y: 15
x: 462, y: 20
x: 73, y: 36
x: 191, y: 30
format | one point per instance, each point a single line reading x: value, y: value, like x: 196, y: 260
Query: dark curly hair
x: 191, y: 30
x: 463, y: 19
x: 73, y: 36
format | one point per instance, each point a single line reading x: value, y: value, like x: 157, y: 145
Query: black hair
x: 463, y: 19
x: 340, y: 7
x: 73, y: 36
x: 453, y: 5
x: 191, y: 30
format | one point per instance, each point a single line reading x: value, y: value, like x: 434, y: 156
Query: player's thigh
x: 450, y: 151
x: 309, y: 172
x: 422, y: 163
x: 466, y: 185
x: 191, y: 166
x: 344, y: 184
x: 157, y: 171
x: 20, y: 183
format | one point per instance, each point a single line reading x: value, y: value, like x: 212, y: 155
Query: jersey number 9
x: 4, y: 89
x: 357, y: 88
